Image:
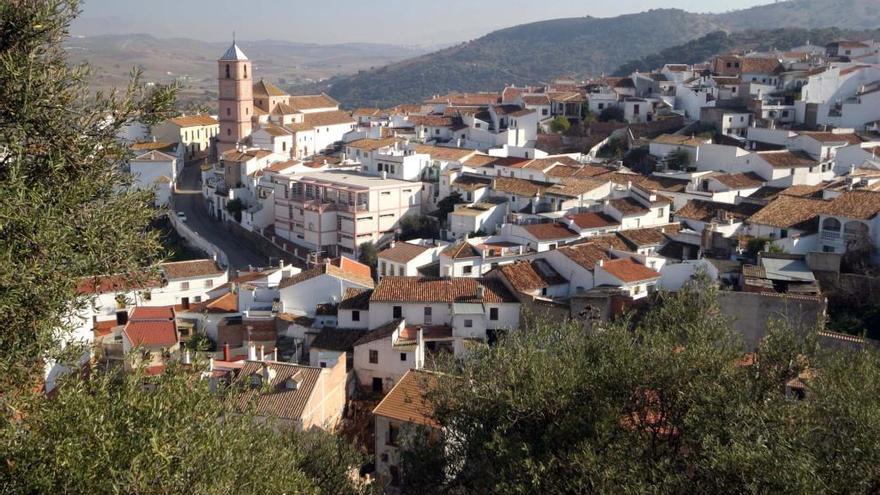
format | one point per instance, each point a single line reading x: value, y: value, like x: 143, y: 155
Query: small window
x: 397, y: 312
x: 403, y: 356
x: 209, y: 284
x: 468, y: 270
x: 468, y: 323
x: 355, y: 315
x: 184, y: 286
x: 374, y: 356
x: 493, y: 314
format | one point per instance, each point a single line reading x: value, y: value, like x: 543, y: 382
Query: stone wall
x: 751, y: 312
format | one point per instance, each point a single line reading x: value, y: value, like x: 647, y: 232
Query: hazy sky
x: 410, y: 22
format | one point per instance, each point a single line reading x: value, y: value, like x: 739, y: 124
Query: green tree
x: 369, y: 255
x: 66, y: 208
x: 659, y: 402
x: 560, y: 125
x: 678, y: 160
x: 112, y: 434
x: 235, y: 208
x: 610, y: 114
x: 418, y: 227
x: 447, y: 205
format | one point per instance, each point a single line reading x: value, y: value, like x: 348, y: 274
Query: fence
x: 194, y: 239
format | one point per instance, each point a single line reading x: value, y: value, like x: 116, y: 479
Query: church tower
x: 236, y: 102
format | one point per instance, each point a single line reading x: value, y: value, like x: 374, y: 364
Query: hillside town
x: 346, y: 251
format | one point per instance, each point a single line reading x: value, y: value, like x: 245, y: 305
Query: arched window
x: 245, y: 71
x: 831, y: 224
x: 855, y: 230
x: 227, y: 71
x: 228, y: 111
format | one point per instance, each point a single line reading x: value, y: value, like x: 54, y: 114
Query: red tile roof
x: 416, y: 289
x: 150, y: 333
x: 402, y: 252
x: 628, y: 270
x: 276, y: 399
x: 528, y: 276
x: 146, y: 313
x: 549, y: 231
x: 408, y: 400
x: 593, y: 220
x: 191, y: 269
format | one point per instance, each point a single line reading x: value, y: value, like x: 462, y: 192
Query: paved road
x: 189, y: 200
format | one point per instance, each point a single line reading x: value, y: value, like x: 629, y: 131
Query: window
x: 245, y: 71
x: 493, y: 314
x: 783, y: 233
x: 661, y: 212
x: 355, y: 315
x: 468, y: 323
x: 184, y: 286
x: 397, y: 312
x: 209, y: 284
x: 197, y: 299
x: 227, y: 71
x: 403, y: 356
x: 374, y: 356
x: 467, y: 270
x: 427, y: 315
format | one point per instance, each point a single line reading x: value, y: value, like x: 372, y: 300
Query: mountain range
x: 585, y: 46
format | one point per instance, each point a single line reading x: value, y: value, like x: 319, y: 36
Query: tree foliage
x: 113, y: 434
x: 661, y: 403
x: 418, y: 227
x: 560, y: 125
x: 678, y: 160
x: 610, y: 114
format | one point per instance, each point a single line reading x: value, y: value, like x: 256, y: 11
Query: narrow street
x: 189, y: 200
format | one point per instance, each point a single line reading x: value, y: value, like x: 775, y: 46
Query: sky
x: 401, y: 22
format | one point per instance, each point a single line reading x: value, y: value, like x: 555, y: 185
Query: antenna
x: 233, y: 36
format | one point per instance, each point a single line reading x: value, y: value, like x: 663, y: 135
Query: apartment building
x: 194, y: 133
x: 336, y: 211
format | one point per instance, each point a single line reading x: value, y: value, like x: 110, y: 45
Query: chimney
x: 274, y: 354
x: 252, y: 352
x: 227, y: 353
x: 281, y: 263
x: 601, y: 262
x: 262, y: 353
x: 186, y: 357
x: 481, y: 292
x: 384, y: 175
x: 268, y: 374
x: 210, y: 364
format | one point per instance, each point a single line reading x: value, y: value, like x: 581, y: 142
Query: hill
x: 712, y: 44
x: 538, y: 52
x: 193, y: 62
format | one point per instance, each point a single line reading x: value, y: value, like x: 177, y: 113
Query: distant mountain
x: 193, y: 62
x: 538, y: 52
x: 712, y: 44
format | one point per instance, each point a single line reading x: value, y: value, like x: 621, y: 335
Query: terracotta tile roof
x: 740, y: 181
x: 629, y: 271
x: 648, y: 236
x: 804, y: 191
x: 575, y: 187
x: 153, y: 145
x: 227, y: 303
x: 275, y: 130
x: 549, y: 231
x: 243, y: 156
x: 708, y: 211
x: 337, y: 339
x: 151, y: 333
x: 461, y: 249
x: 408, y: 400
x: 263, y: 88
x: 356, y: 299
x: 528, y: 276
x: 367, y: 112
x: 787, y: 159
x: 368, y: 144
x: 585, y: 255
x: 431, y: 120
x: 480, y: 160
x: 790, y: 212
x: 592, y: 220
x: 194, y: 120
x: 628, y: 206
x: 277, y: 399
x: 862, y: 205
x: 536, y: 100
x: 416, y: 289
x: 759, y: 65
x: 472, y: 183
x: 444, y: 153
x: 343, y: 268
x: 191, y: 269
x: 402, y: 252
x: 148, y: 313
x: 336, y: 117
x: 105, y: 284
x: 519, y: 187
x: 311, y: 102
x: 830, y: 137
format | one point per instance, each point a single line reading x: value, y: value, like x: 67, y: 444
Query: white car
x: 181, y: 216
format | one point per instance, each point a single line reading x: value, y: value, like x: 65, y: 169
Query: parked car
x: 181, y: 216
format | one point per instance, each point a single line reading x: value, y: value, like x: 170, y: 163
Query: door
x: 377, y: 385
